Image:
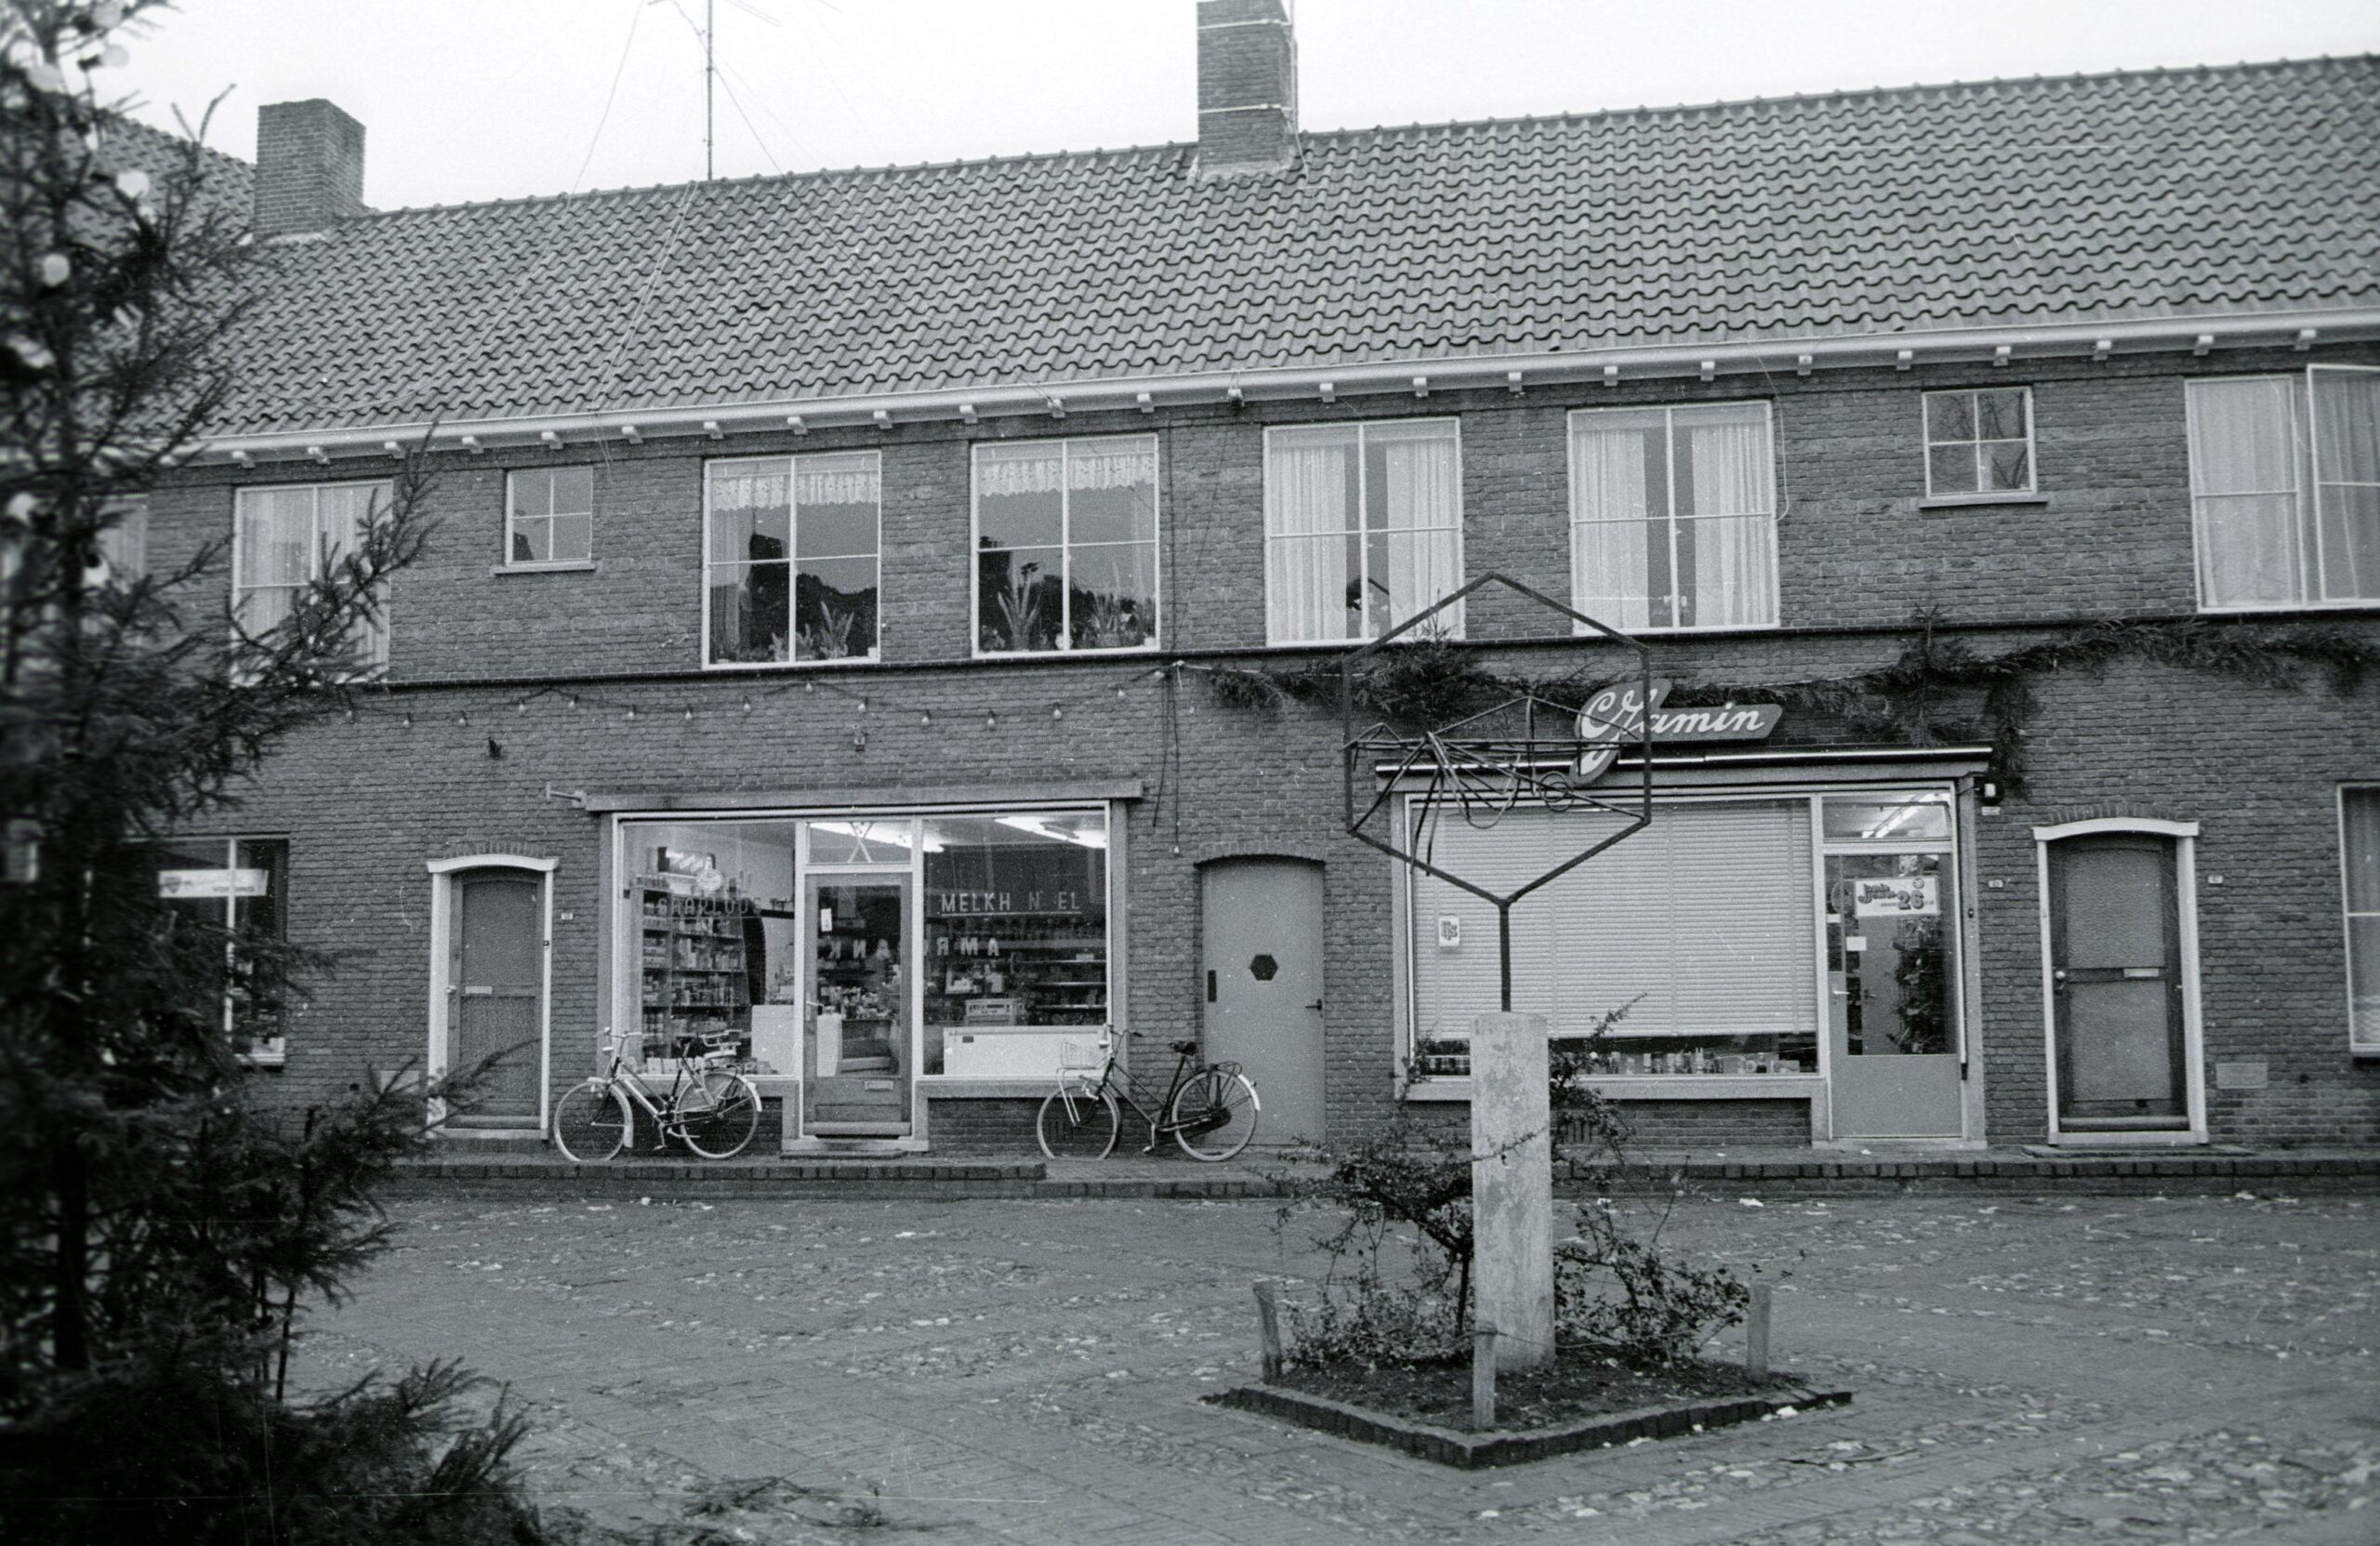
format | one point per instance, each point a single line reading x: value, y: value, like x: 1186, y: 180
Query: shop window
x: 549, y: 517
x: 1979, y: 443
x: 792, y: 570
x: 228, y: 893
x: 1016, y: 945
x: 1065, y: 546
x: 2360, y: 857
x: 1674, y: 517
x: 2285, y: 488
x: 1363, y: 529
x: 287, y: 539
x: 1699, y: 926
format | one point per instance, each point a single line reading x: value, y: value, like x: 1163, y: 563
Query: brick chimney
x: 1248, y: 88
x: 310, y: 168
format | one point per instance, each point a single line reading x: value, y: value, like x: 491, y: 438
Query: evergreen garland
x: 1936, y: 689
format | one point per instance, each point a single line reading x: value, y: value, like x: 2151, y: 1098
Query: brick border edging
x: 1475, y: 1451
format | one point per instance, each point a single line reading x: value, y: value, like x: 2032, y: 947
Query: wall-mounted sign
x: 192, y: 885
x: 1898, y: 896
x: 1609, y: 720
x: 1734, y: 721
x: 1449, y: 931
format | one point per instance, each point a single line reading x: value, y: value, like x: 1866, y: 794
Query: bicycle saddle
x: 1184, y: 1047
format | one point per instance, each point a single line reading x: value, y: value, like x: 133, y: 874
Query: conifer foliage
x: 164, y: 1220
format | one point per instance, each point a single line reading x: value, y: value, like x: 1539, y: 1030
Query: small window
x: 792, y: 566
x: 2285, y: 488
x: 549, y: 517
x: 1065, y: 546
x: 288, y: 538
x: 124, y: 540
x: 1979, y: 442
x: 2360, y: 857
x: 233, y: 890
x: 1363, y: 529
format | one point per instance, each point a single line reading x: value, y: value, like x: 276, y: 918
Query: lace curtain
x: 2253, y: 547
x: 1077, y: 465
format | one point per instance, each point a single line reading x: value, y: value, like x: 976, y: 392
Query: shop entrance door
x: 2116, y: 983
x: 856, y: 1015
x: 495, y: 995
x: 1263, y: 985
x: 1892, y: 1007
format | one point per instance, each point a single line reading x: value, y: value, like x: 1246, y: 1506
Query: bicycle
x: 1211, y: 1109
x: 714, y: 1109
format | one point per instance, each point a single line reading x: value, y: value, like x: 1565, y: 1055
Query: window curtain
x: 2347, y: 480
x: 828, y: 486
x: 1002, y: 472
x: 1309, y: 493
x: 1090, y: 466
x: 342, y: 515
x: 1610, y: 568
x: 2243, y: 439
x: 1423, y: 525
x: 1734, y: 579
x: 276, y: 553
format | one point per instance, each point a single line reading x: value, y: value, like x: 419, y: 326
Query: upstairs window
x: 549, y: 517
x: 1674, y: 517
x: 1363, y: 529
x: 1979, y: 443
x: 792, y: 565
x: 1065, y: 546
x: 2285, y: 488
x: 287, y: 538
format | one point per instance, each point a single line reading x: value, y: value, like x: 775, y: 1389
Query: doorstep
x: 1719, y: 1174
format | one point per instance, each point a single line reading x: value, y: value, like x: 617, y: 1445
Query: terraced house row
x: 873, y: 617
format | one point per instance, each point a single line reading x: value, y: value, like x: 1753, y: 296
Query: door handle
x: 1211, y: 984
x: 1316, y: 1006
x: 2059, y: 975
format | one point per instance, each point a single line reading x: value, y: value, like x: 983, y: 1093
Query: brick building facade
x: 961, y: 842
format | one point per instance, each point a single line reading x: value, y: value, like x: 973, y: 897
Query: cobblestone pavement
x: 2028, y: 1371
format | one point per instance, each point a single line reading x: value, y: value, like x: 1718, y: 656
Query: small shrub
x: 1613, y: 1287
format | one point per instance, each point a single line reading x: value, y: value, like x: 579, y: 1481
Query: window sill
x: 1963, y: 501
x: 792, y: 665
x: 1097, y: 651
x: 1652, y: 1087
x: 583, y: 566
x: 2283, y: 609
x: 276, y: 1060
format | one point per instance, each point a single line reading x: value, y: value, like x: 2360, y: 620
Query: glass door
x: 856, y: 1017
x: 1892, y: 980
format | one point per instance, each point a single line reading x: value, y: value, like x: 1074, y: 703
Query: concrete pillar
x: 1512, y: 1187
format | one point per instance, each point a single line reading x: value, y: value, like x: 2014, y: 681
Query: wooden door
x: 2116, y: 983
x: 495, y: 993
x: 1263, y: 985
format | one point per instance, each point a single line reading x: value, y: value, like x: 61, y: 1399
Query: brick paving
x: 2028, y: 1369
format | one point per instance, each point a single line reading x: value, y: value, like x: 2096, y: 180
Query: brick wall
x: 369, y: 802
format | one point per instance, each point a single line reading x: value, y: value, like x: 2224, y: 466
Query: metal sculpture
x: 1486, y: 764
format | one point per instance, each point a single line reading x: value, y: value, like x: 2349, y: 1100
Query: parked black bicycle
x: 1209, y: 1109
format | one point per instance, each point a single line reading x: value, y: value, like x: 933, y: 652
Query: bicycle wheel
x: 1214, y: 1116
x: 591, y: 1123
x: 1081, y: 1125
x: 728, y: 1114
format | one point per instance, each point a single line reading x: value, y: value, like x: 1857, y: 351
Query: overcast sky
x: 469, y: 99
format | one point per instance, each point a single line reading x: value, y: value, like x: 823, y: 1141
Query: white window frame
x: 2348, y: 913
x: 1668, y: 431
x: 274, y: 1051
x: 1448, y: 623
x: 505, y: 561
x: 1982, y: 494
x: 2304, y: 490
x: 875, y: 654
x: 1066, y: 549
x: 376, y: 658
